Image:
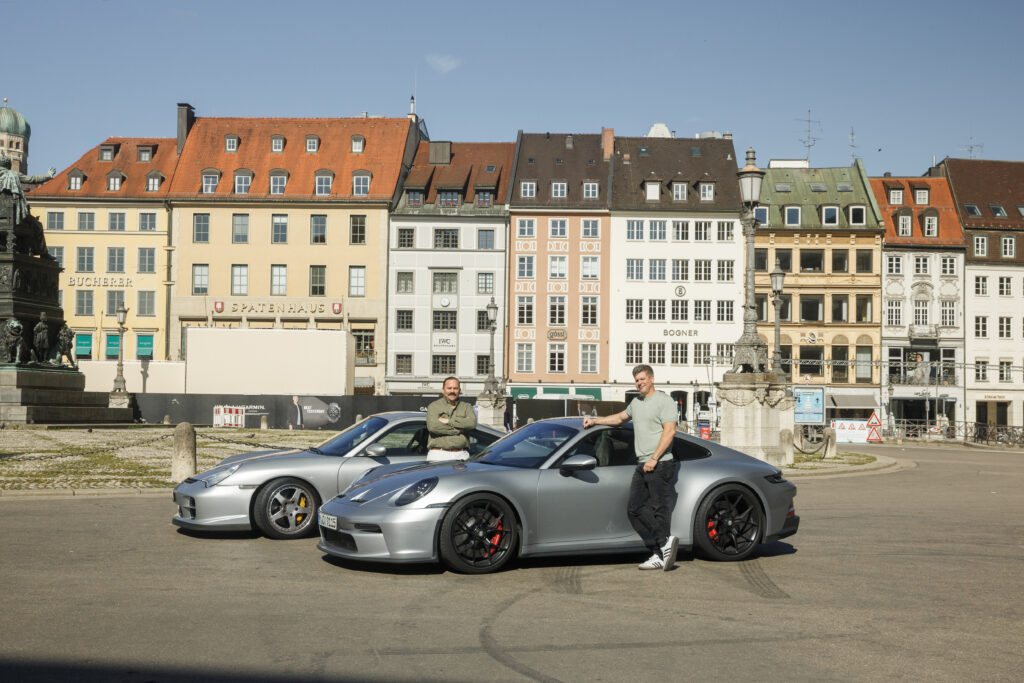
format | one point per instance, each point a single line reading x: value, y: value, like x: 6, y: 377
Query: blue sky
x: 913, y: 80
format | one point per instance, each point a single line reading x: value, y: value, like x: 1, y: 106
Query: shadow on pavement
x: 45, y: 672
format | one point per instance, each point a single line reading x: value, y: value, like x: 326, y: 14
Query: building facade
x: 822, y: 226
x: 922, y: 301
x: 283, y: 222
x: 675, y: 286
x: 107, y: 223
x: 989, y: 199
x: 558, y: 266
x: 446, y: 262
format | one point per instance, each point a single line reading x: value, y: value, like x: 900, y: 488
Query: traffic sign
x: 873, y: 421
x: 873, y: 435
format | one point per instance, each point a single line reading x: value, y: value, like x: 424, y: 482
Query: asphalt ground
x: 908, y: 572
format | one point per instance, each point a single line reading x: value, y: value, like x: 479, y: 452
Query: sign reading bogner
x: 679, y: 333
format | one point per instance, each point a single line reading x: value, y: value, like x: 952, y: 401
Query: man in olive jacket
x: 448, y: 420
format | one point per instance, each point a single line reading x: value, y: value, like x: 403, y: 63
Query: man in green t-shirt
x: 652, y: 492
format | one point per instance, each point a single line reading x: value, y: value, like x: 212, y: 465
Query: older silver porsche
x: 553, y: 488
x: 279, y: 492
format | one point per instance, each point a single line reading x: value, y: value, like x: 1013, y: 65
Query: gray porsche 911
x: 553, y: 488
x: 278, y: 492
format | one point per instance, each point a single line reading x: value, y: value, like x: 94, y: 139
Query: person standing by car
x: 652, y: 491
x: 448, y: 420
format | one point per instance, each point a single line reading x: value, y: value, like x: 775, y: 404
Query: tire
x: 478, y: 535
x: 286, y: 508
x: 729, y: 524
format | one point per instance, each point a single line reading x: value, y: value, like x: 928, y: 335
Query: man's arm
x: 463, y: 417
x: 668, y: 433
x: 434, y: 425
x: 611, y: 420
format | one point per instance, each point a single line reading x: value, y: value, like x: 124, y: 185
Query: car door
x: 588, y: 509
x: 403, y: 441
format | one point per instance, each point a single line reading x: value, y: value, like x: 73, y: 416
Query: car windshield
x: 352, y: 437
x: 528, y: 446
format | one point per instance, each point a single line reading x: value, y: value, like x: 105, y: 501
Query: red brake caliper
x: 496, y: 538
x: 712, y: 531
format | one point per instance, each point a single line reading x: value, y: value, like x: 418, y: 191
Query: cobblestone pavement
x: 117, y: 458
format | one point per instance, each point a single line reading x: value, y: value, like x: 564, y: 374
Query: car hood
x: 252, y: 456
x: 390, y: 479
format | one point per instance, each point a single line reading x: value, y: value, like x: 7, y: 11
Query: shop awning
x: 113, y: 344
x: 144, y: 349
x: 83, y: 344
x: 522, y: 392
x: 851, y: 401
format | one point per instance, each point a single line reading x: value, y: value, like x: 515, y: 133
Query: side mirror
x: 376, y: 451
x: 577, y: 463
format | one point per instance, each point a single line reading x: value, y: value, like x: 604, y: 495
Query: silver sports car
x: 553, y: 488
x: 279, y: 491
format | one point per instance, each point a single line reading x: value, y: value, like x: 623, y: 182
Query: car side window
x: 408, y: 438
x: 478, y: 441
x: 685, y: 450
x: 611, y: 447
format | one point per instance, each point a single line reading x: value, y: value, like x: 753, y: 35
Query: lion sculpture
x: 12, y: 344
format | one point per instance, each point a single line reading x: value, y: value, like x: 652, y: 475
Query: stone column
x: 490, y: 410
x: 755, y: 409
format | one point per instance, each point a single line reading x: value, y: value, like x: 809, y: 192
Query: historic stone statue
x: 26, y: 235
x: 65, y: 342
x: 41, y: 339
x: 11, y: 343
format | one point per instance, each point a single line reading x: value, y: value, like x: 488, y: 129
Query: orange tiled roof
x: 940, y: 203
x: 467, y: 170
x: 125, y: 160
x: 383, y: 149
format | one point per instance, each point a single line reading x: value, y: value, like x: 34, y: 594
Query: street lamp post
x: 122, y: 315
x: 491, y: 383
x: 751, y: 352
x: 778, y: 278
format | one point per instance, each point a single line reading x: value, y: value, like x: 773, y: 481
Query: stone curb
x: 83, y: 493
x: 882, y: 463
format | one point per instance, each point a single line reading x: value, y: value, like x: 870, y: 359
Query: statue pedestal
x: 490, y: 410
x: 41, y: 395
x: 755, y: 409
x: 120, y: 399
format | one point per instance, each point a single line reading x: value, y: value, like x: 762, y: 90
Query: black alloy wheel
x: 478, y: 534
x: 286, y: 508
x: 729, y: 524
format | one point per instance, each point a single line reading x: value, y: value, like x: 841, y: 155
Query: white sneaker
x: 668, y: 552
x: 653, y: 562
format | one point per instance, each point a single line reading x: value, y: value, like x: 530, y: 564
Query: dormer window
x: 792, y: 215
x: 153, y: 181
x: 652, y: 190
x: 211, y: 177
x: 931, y: 226
x: 830, y: 215
x: 679, y: 192
x: 230, y: 143
x: 857, y: 215
x: 761, y: 215
x: 590, y: 190
x: 75, y: 178
x: 312, y: 143
x: 414, y: 198
x: 707, y: 192
x: 114, y: 179
x: 324, y: 183
x: 903, y: 226
x: 361, y: 183
x: 358, y: 144
x: 276, y: 143
x: 972, y: 210
x: 278, y: 181
x: 997, y: 210
x: 921, y: 196
x: 107, y: 153
x: 558, y: 189
x: 484, y: 199
x: 895, y: 197
x: 243, y: 180
x: 527, y: 189
x: 448, y: 199
x: 145, y: 154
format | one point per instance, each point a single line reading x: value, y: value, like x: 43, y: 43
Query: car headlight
x: 417, y: 491
x: 216, y: 476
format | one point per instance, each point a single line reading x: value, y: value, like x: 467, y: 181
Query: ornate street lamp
x: 751, y: 352
x: 122, y: 316
x: 491, y: 383
x: 778, y: 278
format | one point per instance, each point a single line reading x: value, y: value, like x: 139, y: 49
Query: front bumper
x: 380, y: 535
x: 789, y: 528
x: 217, y: 508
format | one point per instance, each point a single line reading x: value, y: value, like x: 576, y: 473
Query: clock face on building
x: 445, y: 301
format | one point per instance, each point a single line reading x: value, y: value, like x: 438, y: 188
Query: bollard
x: 167, y: 419
x: 183, y: 460
x: 786, y: 444
x: 263, y: 422
x: 359, y: 418
x: 830, y: 448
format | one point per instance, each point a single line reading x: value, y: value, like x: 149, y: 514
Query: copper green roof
x: 813, y: 189
x: 13, y: 123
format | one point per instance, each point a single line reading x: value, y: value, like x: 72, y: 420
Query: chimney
x: 568, y: 142
x: 608, y: 142
x: 887, y: 174
x: 727, y: 136
x: 186, y: 117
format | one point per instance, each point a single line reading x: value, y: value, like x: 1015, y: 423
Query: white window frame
x: 210, y: 182
x: 652, y: 191
x: 590, y: 190
x: 931, y: 226
x: 895, y: 197
x: 980, y: 245
x: 921, y: 196
x: 588, y: 359
x: 824, y: 215
x: 707, y: 192
x: 360, y: 184
x: 864, y: 214
x: 679, y: 192
x: 1007, y: 246
x: 324, y: 183
x: 894, y: 265
x: 590, y: 267
x: 590, y: 228
x: 524, y: 357
x: 558, y: 227
x: 277, y: 183
x: 558, y: 267
x: 312, y: 144
x: 243, y: 181
x: 948, y: 265
x: 786, y: 215
x: 526, y: 228
x: 559, y: 189
x: 524, y: 268
x: 528, y: 189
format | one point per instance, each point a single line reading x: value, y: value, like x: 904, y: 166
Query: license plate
x: 328, y: 521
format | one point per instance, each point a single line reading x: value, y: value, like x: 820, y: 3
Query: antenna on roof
x: 853, y: 147
x: 808, y: 142
x: 973, y: 150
